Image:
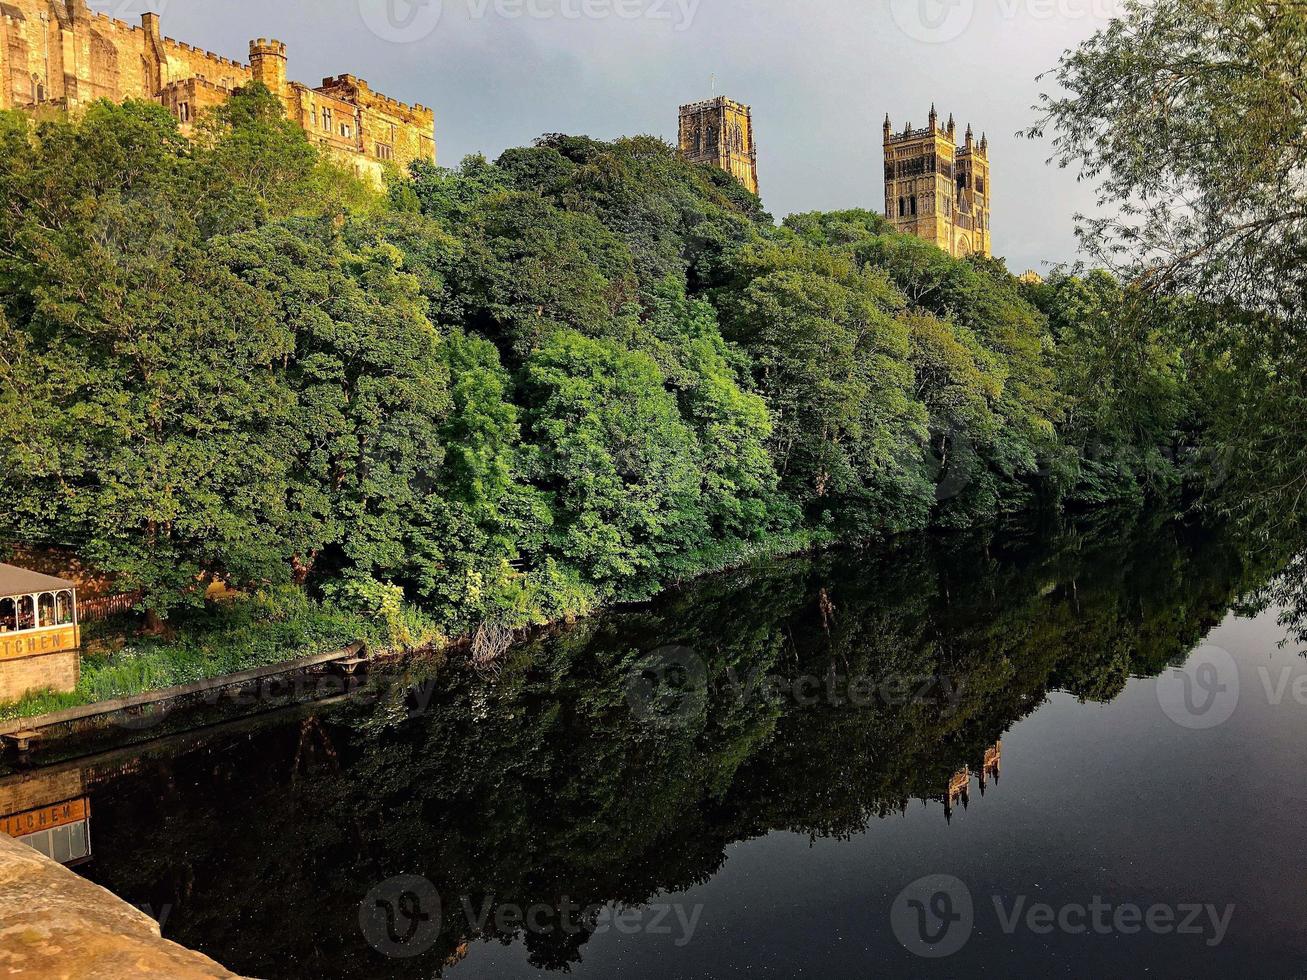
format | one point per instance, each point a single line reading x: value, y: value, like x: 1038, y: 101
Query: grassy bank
x: 255, y: 631
x: 277, y: 626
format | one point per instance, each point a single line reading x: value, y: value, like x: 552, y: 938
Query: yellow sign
x: 56, y: 639
x: 47, y: 818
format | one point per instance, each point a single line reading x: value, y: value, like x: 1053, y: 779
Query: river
x: 1042, y: 752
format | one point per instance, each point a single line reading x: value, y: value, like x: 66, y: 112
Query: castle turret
x: 937, y: 189
x: 268, y: 64
x: 719, y: 132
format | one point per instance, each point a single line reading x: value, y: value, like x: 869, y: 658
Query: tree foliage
x: 515, y: 389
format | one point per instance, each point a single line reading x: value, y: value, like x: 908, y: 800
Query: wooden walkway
x: 351, y: 655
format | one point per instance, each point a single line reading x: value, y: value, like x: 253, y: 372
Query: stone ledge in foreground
x: 55, y: 924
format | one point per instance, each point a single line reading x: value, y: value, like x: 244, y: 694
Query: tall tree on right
x: 1191, y: 115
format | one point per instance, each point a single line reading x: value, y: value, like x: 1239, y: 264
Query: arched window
x: 26, y: 612
x: 8, y: 615
x: 914, y: 205
x: 903, y: 207
x: 45, y: 606
x: 63, y: 609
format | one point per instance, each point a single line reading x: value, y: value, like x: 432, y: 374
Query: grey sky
x: 820, y: 76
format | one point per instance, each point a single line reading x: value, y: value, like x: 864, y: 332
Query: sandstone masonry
x: 60, y: 53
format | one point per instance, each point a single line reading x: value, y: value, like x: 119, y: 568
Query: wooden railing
x: 93, y: 610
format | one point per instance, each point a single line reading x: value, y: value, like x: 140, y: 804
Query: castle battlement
x: 111, y: 59
x: 358, y: 88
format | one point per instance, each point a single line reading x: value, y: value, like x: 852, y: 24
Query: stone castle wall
x: 59, y: 52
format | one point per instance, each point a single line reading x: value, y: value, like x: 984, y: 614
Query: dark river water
x: 1073, y: 752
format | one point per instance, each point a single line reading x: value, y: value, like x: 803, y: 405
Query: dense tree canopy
x: 516, y: 389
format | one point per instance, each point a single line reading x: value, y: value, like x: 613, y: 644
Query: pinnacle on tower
x: 934, y: 117
x: 889, y: 127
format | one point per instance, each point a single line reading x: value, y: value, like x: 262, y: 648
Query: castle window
x: 184, y: 111
x: 385, y: 152
x: 980, y: 185
x: 903, y: 207
x: 914, y: 205
x: 326, y: 119
x: 346, y: 131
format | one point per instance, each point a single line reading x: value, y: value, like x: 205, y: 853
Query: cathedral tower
x: 719, y: 132
x: 937, y: 189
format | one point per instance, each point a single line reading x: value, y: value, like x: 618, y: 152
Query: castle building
x: 719, y: 132
x: 60, y: 53
x: 938, y: 190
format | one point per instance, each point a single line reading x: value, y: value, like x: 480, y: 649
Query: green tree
x: 147, y: 425
x: 831, y: 359
x: 609, y: 445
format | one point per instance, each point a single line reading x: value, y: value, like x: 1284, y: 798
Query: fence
x: 93, y: 610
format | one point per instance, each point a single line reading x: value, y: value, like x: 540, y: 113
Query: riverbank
x: 283, y: 626
x: 229, y: 637
x: 57, y: 924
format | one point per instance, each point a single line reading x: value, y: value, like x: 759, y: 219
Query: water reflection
x: 616, y: 763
